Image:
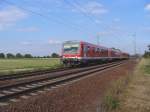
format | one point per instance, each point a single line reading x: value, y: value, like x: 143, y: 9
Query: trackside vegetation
x: 131, y: 93
x: 111, y: 101
x: 146, y: 67
x: 147, y: 53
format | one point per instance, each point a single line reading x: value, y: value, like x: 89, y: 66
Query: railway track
x: 14, y: 92
x: 29, y: 74
x: 34, y: 76
x: 32, y: 73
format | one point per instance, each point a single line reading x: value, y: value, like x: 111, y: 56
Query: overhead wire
x: 77, y: 6
x: 44, y: 16
x: 60, y: 21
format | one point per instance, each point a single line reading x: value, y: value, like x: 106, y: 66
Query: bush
x: 28, y: 56
x: 55, y: 55
x: 10, y: 55
x: 146, y: 54
x: 2, y: 55
x: 18, y: 55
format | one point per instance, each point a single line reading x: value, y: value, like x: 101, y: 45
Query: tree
x: 28, y: 56
x: 48, y: 56
x: 149, y: 48
x: 2, y: 55
x: 147, y: 53
x: 10, y: 55
x: 55, y: 55
x: 19, y: 55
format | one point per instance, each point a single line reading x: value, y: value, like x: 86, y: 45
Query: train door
x: 85, y: 51
x: 109, y: 53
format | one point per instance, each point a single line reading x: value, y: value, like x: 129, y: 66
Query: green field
x: 146, y: 66
x: 8, y: 66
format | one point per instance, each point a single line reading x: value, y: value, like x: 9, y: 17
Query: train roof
x: 114, y: 49
x: 94, y: 45
x: 72, y: 41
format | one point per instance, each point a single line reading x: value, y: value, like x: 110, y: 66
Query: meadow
x: 8, y: 66
x: 146, y: 66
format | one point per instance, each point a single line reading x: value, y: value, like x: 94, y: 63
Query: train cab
x: 71, y: 52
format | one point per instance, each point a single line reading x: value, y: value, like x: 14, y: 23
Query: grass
x: 111, y: 99
x: 8, y: 66
x: 146, y: 66
x: 139, y: 88
x: 135, y: 96
x: 111, y: 102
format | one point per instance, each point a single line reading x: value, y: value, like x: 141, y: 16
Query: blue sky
x: 40, y: 26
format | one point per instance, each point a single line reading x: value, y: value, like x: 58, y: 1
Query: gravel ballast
x: 81, y: 96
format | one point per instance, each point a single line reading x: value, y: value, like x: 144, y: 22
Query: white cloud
x: 26, y: 43
x: 116, y: 19
x: 93, y: 8
x: 146, y: 29
x: 28, y: 29
x: 103, y: 33
x: 41, y: 43
x: 111, y: 30
x: 147, y: 7
x: 10, y: 15
x: 54, y: 42
x: 98, y: 21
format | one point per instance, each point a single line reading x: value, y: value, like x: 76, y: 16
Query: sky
x: 40, y: 27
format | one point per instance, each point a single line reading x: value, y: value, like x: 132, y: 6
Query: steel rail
x: 28, y: 74
x: 53, y: 75
x: 33, y: 73
x: 26, y: 88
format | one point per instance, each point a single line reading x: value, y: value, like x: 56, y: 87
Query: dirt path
x: 137, y: 95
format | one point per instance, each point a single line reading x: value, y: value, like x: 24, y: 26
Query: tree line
x: 147, y: 53
x: 19, y: 55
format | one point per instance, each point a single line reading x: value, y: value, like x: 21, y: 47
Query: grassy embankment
x: 136, y: 97
x: 131, y: 93
x: 9, y: 66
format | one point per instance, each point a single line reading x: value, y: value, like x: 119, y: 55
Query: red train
x: 79, y: 52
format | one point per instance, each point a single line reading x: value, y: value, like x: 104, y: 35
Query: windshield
x: 71, y: 48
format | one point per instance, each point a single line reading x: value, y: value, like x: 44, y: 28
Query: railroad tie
x: 16, y: 90
x: 7, y: 92
x: 1, y: 95
x: 25, y: 96
x: 33, y: 94
x: 23, y: 88
x: 14, y: 100
x: 3, y: 104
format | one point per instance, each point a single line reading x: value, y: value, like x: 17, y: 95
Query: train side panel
x: 89, y: 53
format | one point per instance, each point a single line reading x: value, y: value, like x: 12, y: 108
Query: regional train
x: 83, y: 53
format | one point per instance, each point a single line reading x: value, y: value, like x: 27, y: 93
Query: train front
x: 71, y: 53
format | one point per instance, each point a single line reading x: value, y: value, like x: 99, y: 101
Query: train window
x: 85, y: 49
x: 88, y: 48
x: 103, y: 50
x: 98, y: 49
x: 93, y: 50
x: 72, y: 48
